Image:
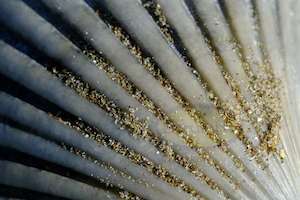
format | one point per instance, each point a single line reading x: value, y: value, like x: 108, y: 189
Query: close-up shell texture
x: 150, y: 99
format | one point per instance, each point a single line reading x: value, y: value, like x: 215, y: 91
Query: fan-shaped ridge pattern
x: 149, y: 99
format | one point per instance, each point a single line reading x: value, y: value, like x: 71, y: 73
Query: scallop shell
x: 110, y: 99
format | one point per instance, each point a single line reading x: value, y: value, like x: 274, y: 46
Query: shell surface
x: 110, y: 99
